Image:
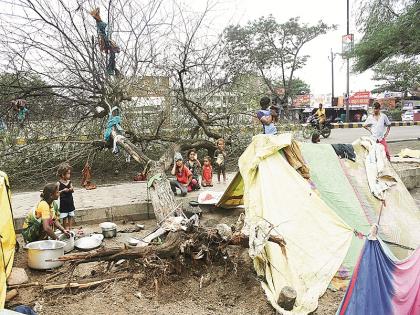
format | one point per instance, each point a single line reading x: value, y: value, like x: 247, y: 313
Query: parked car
x: 407, y: 116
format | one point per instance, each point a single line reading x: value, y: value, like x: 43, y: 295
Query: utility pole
x: 331, y: 59
x: 348, y: 70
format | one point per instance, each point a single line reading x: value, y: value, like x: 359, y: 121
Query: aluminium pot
x: 109, y: 229
x: 109, y: 233
x: 40, y: 251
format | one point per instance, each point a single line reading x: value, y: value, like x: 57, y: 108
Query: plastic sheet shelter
x: 340, y: 183
x: 317, y: 238
x: 343, y: 185
x: 383, y: 284
x: 7, y: 236
x: 234, y: 194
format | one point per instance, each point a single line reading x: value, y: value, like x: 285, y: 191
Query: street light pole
x: 331, y: 58
x: 348, y: 70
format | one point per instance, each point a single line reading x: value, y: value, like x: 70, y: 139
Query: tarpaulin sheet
x: 335, y: 189
x: 378, y: 168
x: 234, y: 194
x: 7, y: 236
x: 381, y: 284
x: 317, y: 238
x: 399, y: 218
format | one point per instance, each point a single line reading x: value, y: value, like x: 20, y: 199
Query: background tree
x: 57, y: 42
x: 396, y: 75
x: 390, y: 28
x: 271, y: 50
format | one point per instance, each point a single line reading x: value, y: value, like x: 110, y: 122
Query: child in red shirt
x: 183, y: 176
x: 207, y: 175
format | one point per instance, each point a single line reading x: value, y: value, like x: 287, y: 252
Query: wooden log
x: 11, y: 294
x: 166, y: 250
x: 287, y: 298
x: 84, y: 285
x: 171, y: 246
x: 24, y: 285
x: 91, y: 254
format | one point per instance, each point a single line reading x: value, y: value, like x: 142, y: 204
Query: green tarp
x: 336, y: 191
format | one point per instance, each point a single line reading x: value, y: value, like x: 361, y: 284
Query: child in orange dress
x: 207, y: 175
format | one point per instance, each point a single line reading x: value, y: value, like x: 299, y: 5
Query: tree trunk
x: 161, y: 195
x: 175, y: 243
x: 162, y: 198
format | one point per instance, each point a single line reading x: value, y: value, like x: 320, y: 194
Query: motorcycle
x: 312, y: 125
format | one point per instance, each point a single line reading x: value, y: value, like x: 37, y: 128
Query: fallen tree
x: 198, y: 243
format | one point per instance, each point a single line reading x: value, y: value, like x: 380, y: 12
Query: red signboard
x: 302, y: 100
x: 359, y: 98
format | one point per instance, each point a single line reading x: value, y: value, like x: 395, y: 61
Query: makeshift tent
x: 382, y: 284
x: 278, y: 200
x: 343, y: 185
x: 234, y: 194
x: 339, y: 194
x: 7, y: 236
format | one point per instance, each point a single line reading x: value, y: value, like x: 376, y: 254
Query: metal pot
x: 109, y: 233
x: 40, y: 251
x: 109, y: 229
x: 69, y: 241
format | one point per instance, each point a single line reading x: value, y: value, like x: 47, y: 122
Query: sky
x: 317, y: 72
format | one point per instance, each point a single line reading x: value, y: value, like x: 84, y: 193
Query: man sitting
x: 320, y: 113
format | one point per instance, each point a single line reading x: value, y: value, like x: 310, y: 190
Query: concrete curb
x: 410, y: 177
x: 130, y: 212
x: 402, y: 140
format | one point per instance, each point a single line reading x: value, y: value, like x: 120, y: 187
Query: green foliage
x: 387, y: 33
x: 270, y: 49
x: 395, y: 114
x: 399, y: 76
x: 299, y: 87
x: 18, y: 85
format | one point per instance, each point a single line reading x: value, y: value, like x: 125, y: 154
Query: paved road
x: 348, y: 135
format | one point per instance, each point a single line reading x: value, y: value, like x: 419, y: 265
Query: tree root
x: 196, y: 244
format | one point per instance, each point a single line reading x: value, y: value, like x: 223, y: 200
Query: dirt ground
x: 227, y: 285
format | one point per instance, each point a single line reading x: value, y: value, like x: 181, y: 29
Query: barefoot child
x: 220, y: 157
x: 207, y: 175
x: 66, y: 195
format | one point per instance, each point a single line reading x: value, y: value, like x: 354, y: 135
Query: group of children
x: 187, y: 173
x: 41, y: 222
